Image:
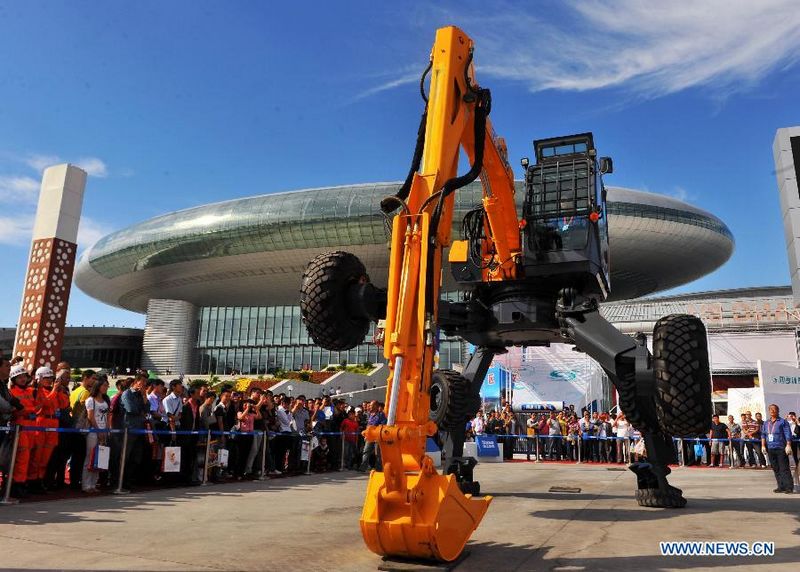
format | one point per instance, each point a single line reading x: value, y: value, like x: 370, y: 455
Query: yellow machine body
x: 410, y: 509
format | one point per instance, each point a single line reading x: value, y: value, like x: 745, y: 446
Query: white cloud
x: 681, y: 194
x: 16, y: 230
x: 90, y: 231
x: 18, y: 190
x: 94, y: 166
x: 646, y: 48
x: 391, y: 84
x: 41, y: 162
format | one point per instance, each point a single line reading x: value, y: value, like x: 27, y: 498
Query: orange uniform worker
x: 25, y: 417
x: 50, y: 401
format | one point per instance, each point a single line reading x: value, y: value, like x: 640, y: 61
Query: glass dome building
x: 220, y: 282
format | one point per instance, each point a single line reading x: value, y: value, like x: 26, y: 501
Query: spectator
x: 554, y: 437
x: 376, y: 417
x: 7, y: 401
x: 136, y: 408
x: 604, y: 435
x: 155, y: 395
x: 752, y: 432
x: 117, y: 423
x: 259, y: 401
x: 719, y: 436
x: 573, y: 431
x: 284, y: 440
x: 97, y: 406
x: 50, y: 401
x: 225, y: 415
x: 530, y: 424
x: 587, y: 432
x: 776, y: 441
x: 349, y: 429
x: 735, y: 431
x: 23, y: 416
x: 478, y: 424
x: 623, y: 438
x: 246, y: 418
x: 190, y: 421
x: 77, y: 401
x: 206, y: 412
x: 794, y: 429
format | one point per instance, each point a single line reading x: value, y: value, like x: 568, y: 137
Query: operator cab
x: 565, y: 234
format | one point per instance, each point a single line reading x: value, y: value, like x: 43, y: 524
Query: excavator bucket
x: 432, y: 521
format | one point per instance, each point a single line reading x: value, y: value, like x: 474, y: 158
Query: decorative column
x: 43, y: 315
x: 170, y: 337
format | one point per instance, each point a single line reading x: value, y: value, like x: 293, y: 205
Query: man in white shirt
x: 173, y: 404
x: 554, y: 440
x: 283, y: 442
x: 478, y: 425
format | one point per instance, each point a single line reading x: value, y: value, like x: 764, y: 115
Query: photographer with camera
x: 246, y: 417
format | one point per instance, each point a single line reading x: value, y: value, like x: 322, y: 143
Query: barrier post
x: 681, y: 459
x: 341, y: 447
x: 580, y: 446
x: 119, y: 490
x: 10, y: 476
x: 730, y: 452
x: 528, y: 447
x: 263, y: 474
x: 205, y: 461
x: 538, y: 457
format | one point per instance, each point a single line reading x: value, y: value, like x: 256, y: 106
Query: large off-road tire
x: 683, y: 377
x: 451, y: 404
x: 323, y: 301
x: 657, y: 498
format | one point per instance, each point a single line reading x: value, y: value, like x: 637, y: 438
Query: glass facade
x: 260, y: 340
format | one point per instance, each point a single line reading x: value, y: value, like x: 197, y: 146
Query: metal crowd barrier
x: 529, y: 445
x: 208, y: 434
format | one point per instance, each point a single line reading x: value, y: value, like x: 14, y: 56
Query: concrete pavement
x: 311, y: 522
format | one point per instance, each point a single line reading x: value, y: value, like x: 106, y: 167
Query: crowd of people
x: 221, y: 435
x: 217, y: 434
x: 565, y: 435
x: 603, y: 437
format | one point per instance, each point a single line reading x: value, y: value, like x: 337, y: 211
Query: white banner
x: 550, y: 374
x: 781, y: 386
x: 743, y: 399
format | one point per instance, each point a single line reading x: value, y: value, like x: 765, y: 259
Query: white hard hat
x: 17, y: 370
x: 43, y: 372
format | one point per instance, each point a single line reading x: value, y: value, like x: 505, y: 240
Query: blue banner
x: 487, y: 446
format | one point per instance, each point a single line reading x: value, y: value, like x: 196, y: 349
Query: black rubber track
x: 323, y: 301
x: 453, y: 403
x: 683, y: 377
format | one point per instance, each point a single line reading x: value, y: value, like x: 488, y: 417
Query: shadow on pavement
x: 82, y: 508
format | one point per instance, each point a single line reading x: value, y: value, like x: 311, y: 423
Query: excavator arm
x: 411, y: 510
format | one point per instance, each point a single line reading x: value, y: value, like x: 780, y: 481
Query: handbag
x: 222, y: 457
x: 172, y: 460
x: 699, y: 450
x: 100, y: 458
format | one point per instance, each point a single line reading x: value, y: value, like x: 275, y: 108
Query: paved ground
x: 311, y: 523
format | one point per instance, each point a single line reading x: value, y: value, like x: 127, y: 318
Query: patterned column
x: 43, y: 315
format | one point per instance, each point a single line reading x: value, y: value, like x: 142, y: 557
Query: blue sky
x: 174, y: 104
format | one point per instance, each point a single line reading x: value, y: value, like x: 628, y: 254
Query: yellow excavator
x: 529, y: 278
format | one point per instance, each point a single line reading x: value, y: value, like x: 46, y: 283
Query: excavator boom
x: 411, y: 510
